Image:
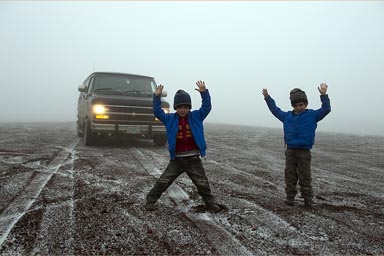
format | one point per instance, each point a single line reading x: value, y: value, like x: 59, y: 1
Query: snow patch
x: 21, y: 205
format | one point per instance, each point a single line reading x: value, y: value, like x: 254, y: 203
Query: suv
x: 119, y: 104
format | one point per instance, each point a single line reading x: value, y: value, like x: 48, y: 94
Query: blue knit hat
x: 181, y: 98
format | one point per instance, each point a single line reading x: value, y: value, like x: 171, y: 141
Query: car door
x: 82, y: 106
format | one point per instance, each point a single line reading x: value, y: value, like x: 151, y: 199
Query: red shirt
x: 184, y: 137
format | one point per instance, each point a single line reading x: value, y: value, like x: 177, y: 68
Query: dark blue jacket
x: 299, y: 129
x: 195, y: 120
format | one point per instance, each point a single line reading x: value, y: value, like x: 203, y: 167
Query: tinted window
x: 123, y: 83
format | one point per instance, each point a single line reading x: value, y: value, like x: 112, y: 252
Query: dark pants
x: 194, y: 169
x: 298, y: 169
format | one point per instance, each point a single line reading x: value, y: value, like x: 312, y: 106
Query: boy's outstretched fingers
x: 201, y: 85
x: 265, y: 92
x: 323, y: 88
x: 159, y: 89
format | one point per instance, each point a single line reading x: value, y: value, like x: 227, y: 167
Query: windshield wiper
x: 107, y: 91
x: 136, y: 92
x: 103, y: 89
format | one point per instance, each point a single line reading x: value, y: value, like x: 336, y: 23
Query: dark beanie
x: 181, y: 98
x: 297, y: 95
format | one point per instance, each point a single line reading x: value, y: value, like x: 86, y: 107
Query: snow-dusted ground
x: 60, y: 197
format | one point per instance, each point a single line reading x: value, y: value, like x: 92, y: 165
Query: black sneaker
x: 213, y: 207
x: 149, y: 206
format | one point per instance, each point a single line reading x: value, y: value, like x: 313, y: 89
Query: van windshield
x: 124, y: 84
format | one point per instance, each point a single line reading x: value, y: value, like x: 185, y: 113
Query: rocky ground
x: 59, y: 197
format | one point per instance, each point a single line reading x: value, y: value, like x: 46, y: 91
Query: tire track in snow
x: 57, y: 226
x: 20, y: 205
x: 232, y: 169
x: 224, y: 242
x: 339, y: 180
x: 276, y: 224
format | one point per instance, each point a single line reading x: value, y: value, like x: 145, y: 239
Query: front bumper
x: 127, y: 129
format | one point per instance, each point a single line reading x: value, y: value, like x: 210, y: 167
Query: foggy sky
x: 48, y: 48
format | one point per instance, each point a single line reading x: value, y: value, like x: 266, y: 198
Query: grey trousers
x: 298, y: 169
x: 194, y: 169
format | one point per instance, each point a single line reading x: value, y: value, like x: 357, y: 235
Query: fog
x: 48, y: 48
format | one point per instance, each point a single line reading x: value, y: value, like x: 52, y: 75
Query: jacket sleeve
x: 325, y: 107
x: 157, y: 110
x: 205, y: 104
x: 276, y: 111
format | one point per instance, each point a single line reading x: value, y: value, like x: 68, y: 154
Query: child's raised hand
x: 323, y: 88
x: 159, y: 90
x: 265, y: 92
x: 201, y: 85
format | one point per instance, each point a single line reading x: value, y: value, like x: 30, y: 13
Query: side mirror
x: 164, y: 94
x: 82, y: 88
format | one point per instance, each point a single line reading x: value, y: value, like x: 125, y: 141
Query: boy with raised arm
x: 299, y: 135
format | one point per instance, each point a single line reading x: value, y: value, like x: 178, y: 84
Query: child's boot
x: 213, y: 207
x: 150, y: 206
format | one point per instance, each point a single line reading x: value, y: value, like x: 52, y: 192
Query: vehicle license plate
x: 133, y: 130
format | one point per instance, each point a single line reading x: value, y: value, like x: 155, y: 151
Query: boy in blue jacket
x: 186, y: 143
x: 299, y: 135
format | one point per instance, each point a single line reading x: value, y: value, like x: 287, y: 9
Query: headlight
x: 98, y: 109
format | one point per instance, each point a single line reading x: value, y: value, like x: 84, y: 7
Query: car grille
x: 128, y: 114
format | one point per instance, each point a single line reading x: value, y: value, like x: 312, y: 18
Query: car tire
x: 159, y: 140
x: 89, y: 135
